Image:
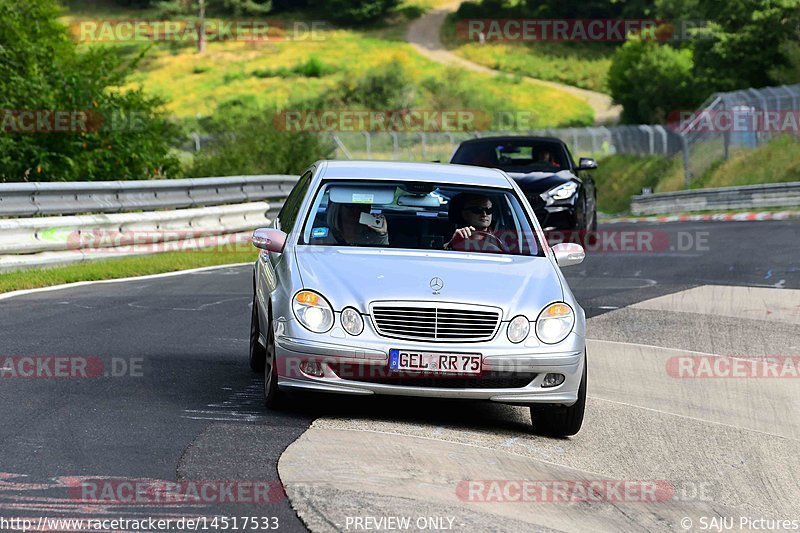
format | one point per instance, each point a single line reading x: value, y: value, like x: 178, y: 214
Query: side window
x: 291, y: 207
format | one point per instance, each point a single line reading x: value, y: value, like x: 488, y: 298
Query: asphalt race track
x: 169, y: 397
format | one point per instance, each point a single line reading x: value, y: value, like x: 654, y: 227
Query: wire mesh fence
x: 737, y: 120
x: 725, y: 123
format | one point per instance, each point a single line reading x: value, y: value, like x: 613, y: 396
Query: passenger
x: 344, y: 221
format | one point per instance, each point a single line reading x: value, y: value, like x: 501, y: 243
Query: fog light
x: 552, y: 380
x: 312, y: 368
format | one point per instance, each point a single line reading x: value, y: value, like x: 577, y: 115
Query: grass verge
x: 619, y: 177
x: 121, y: 268
x: 583, y: 65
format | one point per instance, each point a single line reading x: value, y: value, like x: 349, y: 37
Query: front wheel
x: 257, y: 352
x: 273, y: 397
x: 561, y: 421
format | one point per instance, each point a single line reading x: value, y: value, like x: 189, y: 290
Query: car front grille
x: 435, y: 322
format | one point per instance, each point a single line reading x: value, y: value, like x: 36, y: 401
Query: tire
x: 273, y: 397
x: 258, y: 353
x: 592, y: 225
x: 561, y: 421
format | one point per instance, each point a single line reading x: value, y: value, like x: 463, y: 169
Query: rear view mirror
x: 587, y: 163
x: 271, y: 240
x: 348, y: 194
x: 413, y: 200
x: 568, y: 254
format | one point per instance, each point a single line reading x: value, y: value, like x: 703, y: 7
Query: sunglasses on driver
x: 479, y: 210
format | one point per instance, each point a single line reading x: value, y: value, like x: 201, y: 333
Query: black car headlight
x: 565, y: 191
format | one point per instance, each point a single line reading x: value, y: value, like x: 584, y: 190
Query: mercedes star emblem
x: 437, y: 284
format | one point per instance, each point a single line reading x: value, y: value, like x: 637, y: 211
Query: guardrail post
x: 368, y: 143
x: 395, y: 145
x: 687, y: 174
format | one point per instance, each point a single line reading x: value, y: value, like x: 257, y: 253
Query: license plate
x: 434, y: 362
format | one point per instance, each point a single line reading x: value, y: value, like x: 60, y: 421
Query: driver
x: 472, y: 214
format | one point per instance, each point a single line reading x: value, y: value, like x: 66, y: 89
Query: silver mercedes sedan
x: 418, y: 279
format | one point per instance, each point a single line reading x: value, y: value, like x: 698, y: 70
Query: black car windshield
x: 419, y: 216
x: 517, y: 155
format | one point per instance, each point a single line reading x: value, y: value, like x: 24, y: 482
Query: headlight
x: 352, y: 321
x: 313, y: 311
x: 518, y: 329
x: 564, y: 191
x: 554, y: 323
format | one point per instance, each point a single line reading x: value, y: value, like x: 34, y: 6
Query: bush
x: 126, y: 136
x: 650, y: 80
x: 388, y: 87
x: 246, y: 141
x: 313, y: 67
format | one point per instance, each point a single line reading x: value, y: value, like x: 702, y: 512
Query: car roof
x: 403, y: 171
x: 507, y: 138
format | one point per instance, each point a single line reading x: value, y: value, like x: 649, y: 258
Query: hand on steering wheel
x: 485, y: 241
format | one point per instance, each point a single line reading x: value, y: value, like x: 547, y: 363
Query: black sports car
x: 561, y: 192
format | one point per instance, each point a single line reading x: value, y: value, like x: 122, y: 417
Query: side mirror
x: 587, y: 163
x: 271, y: 240
x: 568, y: 254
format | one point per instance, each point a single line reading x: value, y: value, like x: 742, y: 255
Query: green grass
x: 284, y: 74
x: 619, y: 177
x: 122, y: 268
x: 583, y: 65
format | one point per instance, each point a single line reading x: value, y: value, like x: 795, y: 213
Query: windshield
x: 420, y: 216
x: 514, y: 155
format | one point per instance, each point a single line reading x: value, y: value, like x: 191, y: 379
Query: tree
x: 356, y: 11
x: 749, y: 43
x: 197, y: 9
x: 650, y: 80
x: 42, y: 75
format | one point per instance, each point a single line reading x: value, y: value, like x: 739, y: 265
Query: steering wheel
x: 489, y: 241
x: 484, y: 241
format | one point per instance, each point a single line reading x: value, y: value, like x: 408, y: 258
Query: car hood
x: 358, y: 276
x: 541, y: 181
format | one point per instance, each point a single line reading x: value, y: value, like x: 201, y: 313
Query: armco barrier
x: 169, y: 211
x: 70, y: 198
x: 724, y: 198
x: 47, y: 234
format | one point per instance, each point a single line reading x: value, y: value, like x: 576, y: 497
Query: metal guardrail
x: 131, y: 217
x: 43, y: 234
x: 745, y: 197
x: 70, y: 198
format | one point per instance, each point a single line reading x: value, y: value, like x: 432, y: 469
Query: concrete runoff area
x: 714, y: 446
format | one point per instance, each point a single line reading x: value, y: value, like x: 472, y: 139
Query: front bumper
x: 366, y: 359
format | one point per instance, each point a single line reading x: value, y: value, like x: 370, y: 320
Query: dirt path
x: 423, y: 34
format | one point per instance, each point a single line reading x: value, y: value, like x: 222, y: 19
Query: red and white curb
x: 718, y: 217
